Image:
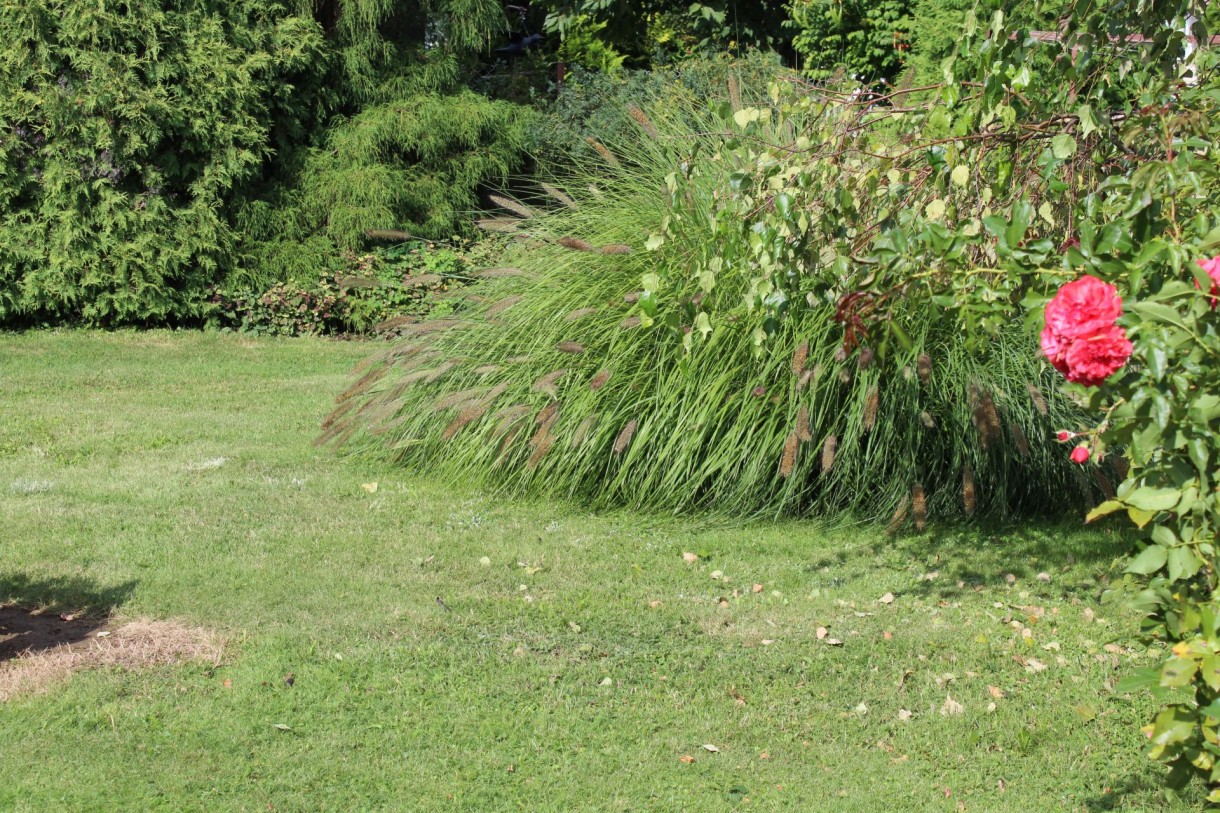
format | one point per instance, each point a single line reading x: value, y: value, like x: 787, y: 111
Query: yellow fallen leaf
x: 888, y: 598
x: 686, y: 758
x: 951, y: 706
x: 690, y: 559
x: 370, y: 487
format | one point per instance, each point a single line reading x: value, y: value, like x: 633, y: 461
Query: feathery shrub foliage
x: 124, y: 128
x: 640, y: 352
x: 152, y: 149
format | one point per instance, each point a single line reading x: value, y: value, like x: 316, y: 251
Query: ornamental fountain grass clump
x: 587, y: 368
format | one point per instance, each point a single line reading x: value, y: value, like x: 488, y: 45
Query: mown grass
x: 579, y: 657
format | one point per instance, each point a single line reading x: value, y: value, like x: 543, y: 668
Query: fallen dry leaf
x: 1034, y: 665
x: 758, y: 588
x: 996, y: 692
x: 833, y: 642
x: 764, y: 755
x: 951, y: 706
x: 1043, y: 577
x: 887, y: 635
x: 717, y: 574
x: 1114, y: 649
x: 904, y: 715
x: 652, y: 605
x: 822, y: 633
x: 723, y: 602
x: 686, y: 758
x: 888, y: 598
x: 711, y: 748
x: 370, y: 487
x: 690, y: 559
x: 767, y: 641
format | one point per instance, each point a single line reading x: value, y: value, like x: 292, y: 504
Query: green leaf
x: 1163, y: 536
x: 1147, y: 677
x: 1157, y: 312
x: 960, y: 175
x: 1212, y: 709
x: 1177, y: 672
x: 1183, y: 563
x: 1085, y: 713
x: 1088, y: 125
x: 1150, y: 560
x: 1140, y: 517
x: 1063, y: 146
x: 1209, y: 670
x: 1107, y: 507
x: 1148, y: 498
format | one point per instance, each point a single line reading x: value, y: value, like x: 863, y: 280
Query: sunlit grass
x: 577, y: 658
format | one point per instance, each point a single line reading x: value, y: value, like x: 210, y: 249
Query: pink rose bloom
x: 1083, y: 307
x: 1080, y: 454
x: 1055, y: 347
x: 1212, y: 267
x: 1092, y: 359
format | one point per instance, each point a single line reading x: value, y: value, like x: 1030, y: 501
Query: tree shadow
x: 38, y: 614
x: 1118, y: 797
x: 957, y: 560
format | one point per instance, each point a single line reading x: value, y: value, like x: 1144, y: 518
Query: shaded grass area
x: 573, y: 659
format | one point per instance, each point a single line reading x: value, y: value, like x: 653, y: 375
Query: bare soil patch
x: 38, y: 650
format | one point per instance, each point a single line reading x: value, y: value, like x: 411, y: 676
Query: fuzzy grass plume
x: 663, y: 411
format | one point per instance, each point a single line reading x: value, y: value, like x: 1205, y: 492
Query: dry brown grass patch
x: 140, y: 644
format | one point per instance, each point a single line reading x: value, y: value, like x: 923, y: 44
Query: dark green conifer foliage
x: 150, y: 149
x: 123, y: 129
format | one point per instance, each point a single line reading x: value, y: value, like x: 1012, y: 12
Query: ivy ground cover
x: 574, y: 661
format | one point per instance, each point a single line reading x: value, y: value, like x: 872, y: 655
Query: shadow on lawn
x: 1076, y: 559
x: 1117, y: 797
x: 37, y: 614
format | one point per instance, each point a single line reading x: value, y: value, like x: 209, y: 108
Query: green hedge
x: 124, y: 128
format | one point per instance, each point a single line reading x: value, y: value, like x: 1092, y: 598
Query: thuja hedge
x: 150, y: 149
x: 123, y: 129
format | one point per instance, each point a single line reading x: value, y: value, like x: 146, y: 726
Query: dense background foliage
x: 151, y: 151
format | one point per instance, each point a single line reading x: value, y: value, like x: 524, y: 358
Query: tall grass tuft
x: 654, y: 420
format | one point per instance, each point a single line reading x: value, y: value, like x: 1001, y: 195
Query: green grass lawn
x: 581, y: 657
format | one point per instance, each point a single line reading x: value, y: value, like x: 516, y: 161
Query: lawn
x: 455, y: 651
